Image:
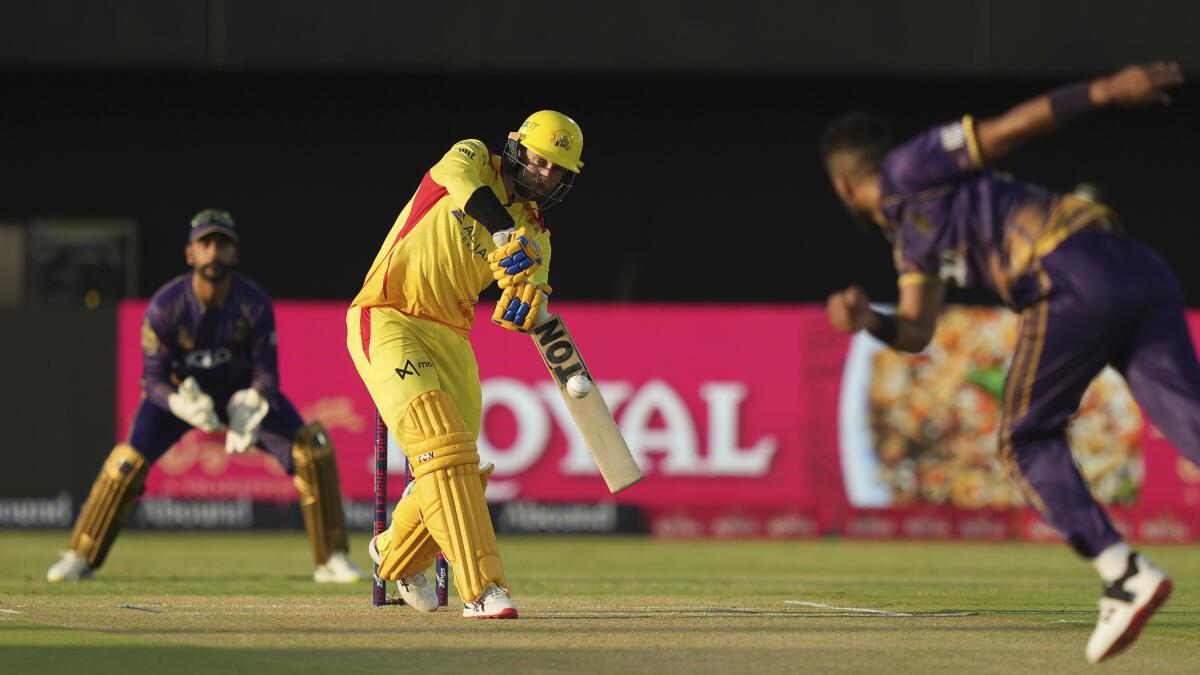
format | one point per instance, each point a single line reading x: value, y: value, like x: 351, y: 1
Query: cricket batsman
x: 1087, y: 296
x: 408, y: 329
x: 209, y: 354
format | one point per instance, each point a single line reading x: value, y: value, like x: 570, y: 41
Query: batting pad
x: 457, y: 517
x: 113, y: 494
x: 316, y: 482
x: 407, y: 547
x: 449, y: 491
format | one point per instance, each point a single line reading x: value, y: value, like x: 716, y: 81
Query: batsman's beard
x: 526, y: 192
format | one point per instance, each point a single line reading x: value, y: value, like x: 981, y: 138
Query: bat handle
x: 502, y: 237
x: 545, y: 314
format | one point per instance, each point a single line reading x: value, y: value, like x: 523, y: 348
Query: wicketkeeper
x: 209, y: 352
x: 408, y: 331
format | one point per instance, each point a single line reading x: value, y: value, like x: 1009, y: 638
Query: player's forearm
x: 264, y: 353
x: 156, y: 377
x: 911, y: 328
x: 264, y: 369
x: 158, y: 391
x: 265, y: 382
x: 1000, y: 135
x: 900, y: 333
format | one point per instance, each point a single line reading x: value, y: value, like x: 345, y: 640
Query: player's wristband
x: 886, y: 329
x: 484, y: 206
x: 1071, y: 101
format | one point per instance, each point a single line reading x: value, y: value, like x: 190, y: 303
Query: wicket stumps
x: 379, y: 590
x: 442, y: 568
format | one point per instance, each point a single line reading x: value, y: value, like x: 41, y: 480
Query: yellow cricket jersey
x: 433, y: 263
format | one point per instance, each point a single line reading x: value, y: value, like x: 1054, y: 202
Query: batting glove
x: 514, y: 262
x: 520, y: 306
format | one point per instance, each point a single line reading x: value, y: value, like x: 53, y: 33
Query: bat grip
x: 502, y: 237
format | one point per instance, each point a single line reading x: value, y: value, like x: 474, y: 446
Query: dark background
x: 313, y: 122
x: 696, y: 188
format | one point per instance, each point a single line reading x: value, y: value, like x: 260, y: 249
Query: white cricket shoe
x: 70, y: 567
x: 338, y: 570
x: 1125, y: 607
x: 418, y: 593
x: 493, y: 604
x: 415, y: 589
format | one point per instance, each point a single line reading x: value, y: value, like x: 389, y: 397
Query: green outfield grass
x: 242, y: 603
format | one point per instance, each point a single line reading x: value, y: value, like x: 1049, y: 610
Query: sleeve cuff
x: 484, y: 206
x: 968, y: 124
x: 916, y: 278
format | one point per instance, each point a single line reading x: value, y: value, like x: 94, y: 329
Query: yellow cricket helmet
x: 554, y: 136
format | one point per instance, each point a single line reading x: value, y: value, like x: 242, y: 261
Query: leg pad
x: 113, y: 494
x: 320, y: 495
x: 449, y: 491
x: 407, y: 547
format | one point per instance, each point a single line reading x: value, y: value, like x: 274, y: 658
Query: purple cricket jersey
x: 226, y: 348
x: 971, y: 226
x: 1088, y: 298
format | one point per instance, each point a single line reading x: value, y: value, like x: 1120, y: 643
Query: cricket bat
x: 591, y: 414
x: 587, y: 407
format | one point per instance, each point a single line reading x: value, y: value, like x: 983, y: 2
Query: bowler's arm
x: 1136, y: 85
x: 910, y: 329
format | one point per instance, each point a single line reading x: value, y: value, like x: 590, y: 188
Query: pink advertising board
x: 747, y: 420
x: 722, y: 405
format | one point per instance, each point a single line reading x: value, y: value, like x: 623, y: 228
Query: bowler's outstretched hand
x: 1138, y: 85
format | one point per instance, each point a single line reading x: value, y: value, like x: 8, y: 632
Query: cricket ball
x: 579, y: 386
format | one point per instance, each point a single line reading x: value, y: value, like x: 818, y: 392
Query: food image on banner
x: 923, y: 429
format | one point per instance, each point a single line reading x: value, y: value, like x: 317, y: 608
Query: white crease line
x: 859, y: 611
x: 10, y: 611
x: 817, y: 605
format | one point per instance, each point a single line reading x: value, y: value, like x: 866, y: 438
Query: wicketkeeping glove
x: 246, y: 409
x: 193, y: 406
x: 520, y: 306
x: 514, y: 262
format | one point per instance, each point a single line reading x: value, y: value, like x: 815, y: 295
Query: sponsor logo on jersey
x: 207, y: 359
x: 952, y: 267
x: 953, y: 136
x: 149, y: 340
x: 411, y: 369
x: 468, y: 239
